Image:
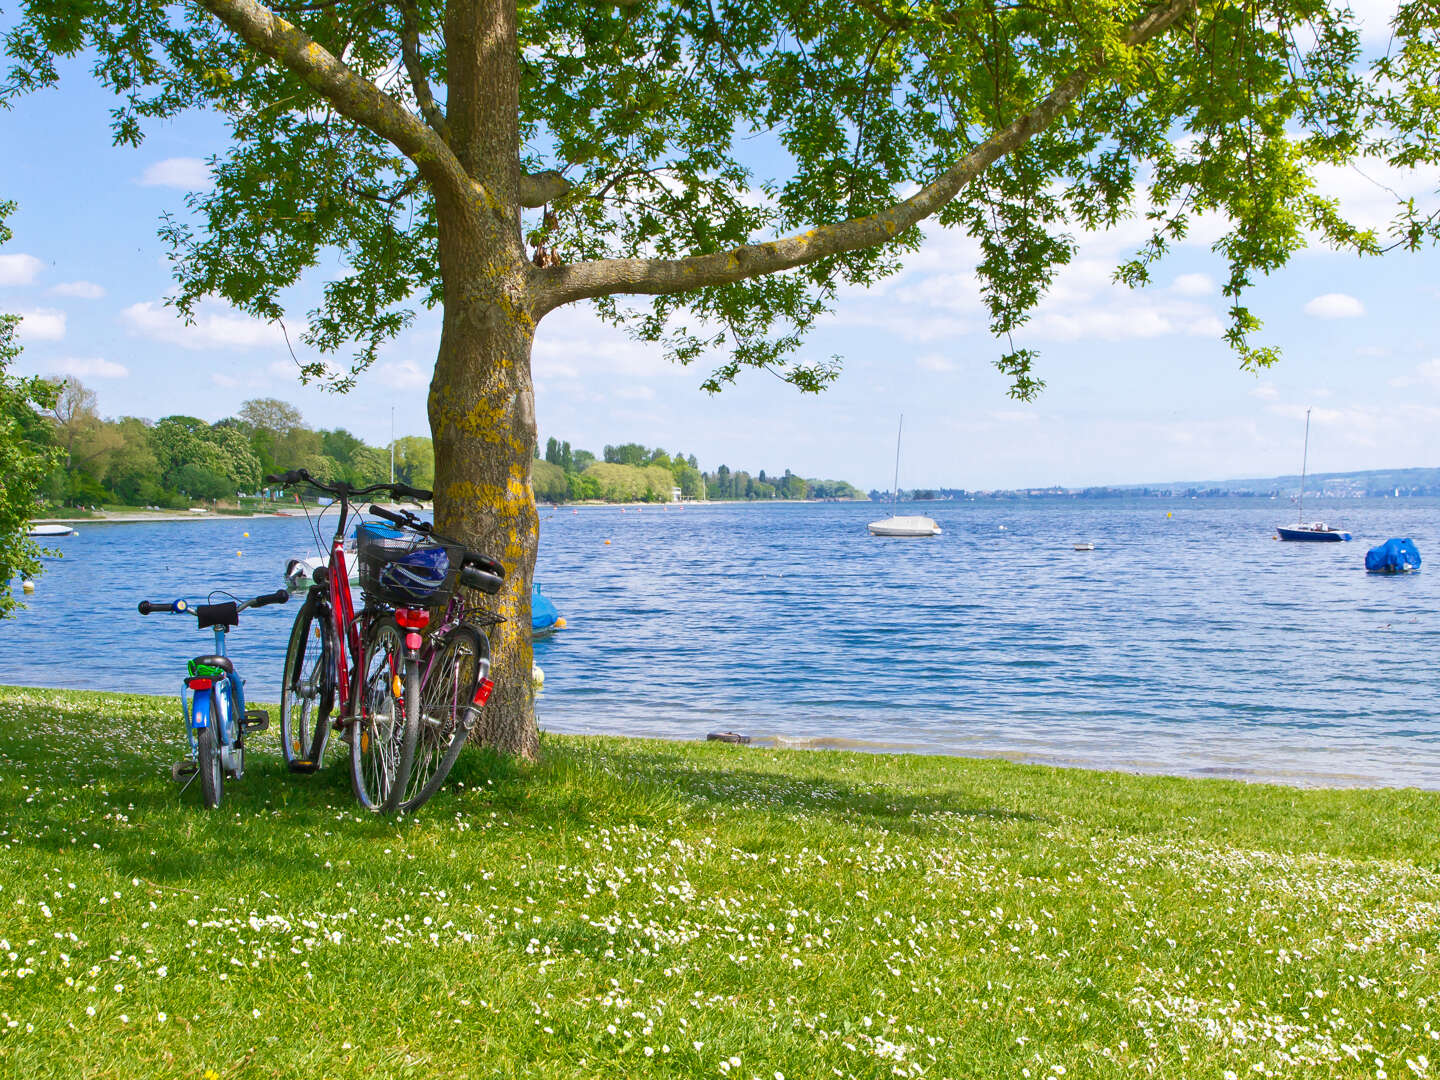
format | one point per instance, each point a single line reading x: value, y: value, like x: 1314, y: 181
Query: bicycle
x: 212, y: 698
x: 455, y: 669
x: 379, y: 705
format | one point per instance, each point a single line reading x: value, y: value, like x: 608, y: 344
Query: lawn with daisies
x: 630, y: 907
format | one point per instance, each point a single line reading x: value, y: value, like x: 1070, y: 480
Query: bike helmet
x: 418, y: 575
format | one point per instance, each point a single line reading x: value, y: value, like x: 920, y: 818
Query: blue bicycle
x: 212, y: 698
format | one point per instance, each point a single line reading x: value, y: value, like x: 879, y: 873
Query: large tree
x: 415, y: 144
x: 27, y: 454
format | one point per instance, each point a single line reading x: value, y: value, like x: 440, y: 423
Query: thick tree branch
x: 410, y: 53
x: 554, y: 286
x: 354, y: 97
x: 537, y: 189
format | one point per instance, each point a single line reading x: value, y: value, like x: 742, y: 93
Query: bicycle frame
x: 202, y: 707
x: 342, y: 612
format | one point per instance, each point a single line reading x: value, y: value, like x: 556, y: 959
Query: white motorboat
x: 902, y: 524
x: 905, y: 525
x: 1085, y: 545
x: 50, y: 530
x: 300, y: 573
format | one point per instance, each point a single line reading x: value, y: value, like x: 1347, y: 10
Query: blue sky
x: 1140, y: 387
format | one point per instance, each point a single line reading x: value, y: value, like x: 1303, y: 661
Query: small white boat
x: 902, y: 524
x: 300, y: 573
x: 905, y: 525
x: 1085, y: 546
x: 50, y: 530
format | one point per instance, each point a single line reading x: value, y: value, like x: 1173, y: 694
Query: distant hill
x: 1335, y: 485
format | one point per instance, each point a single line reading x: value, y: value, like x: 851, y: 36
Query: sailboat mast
x: 895, y: 484
x: 1304, y: 461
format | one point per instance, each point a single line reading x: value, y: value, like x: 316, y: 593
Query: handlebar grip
x: 472, y: 577
x: 381, y: 512
x: 293, y: 476
x: 406, y: 491
x: 279, y: 596
x: 170, y: 607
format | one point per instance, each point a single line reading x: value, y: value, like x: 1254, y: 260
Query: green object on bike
x: 205, y: 671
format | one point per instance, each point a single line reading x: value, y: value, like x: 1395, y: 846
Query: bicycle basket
x: 404, y: 570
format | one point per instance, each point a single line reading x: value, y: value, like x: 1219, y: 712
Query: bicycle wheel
x: 307, y: 695
x: 450, y: 674
x: 386, y: 719
x: 212, y: 774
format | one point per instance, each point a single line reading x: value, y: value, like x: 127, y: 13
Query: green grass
x: 630, y: 907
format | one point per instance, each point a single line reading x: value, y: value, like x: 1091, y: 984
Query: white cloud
x: 1428, y: 372
x: 934, y: 362
x: 89, y: 367
x: 1335, y: 306
x: 402, y: 375
x: 19, y: 269
x: 1265, y: 391
x: 188, y: 173
x: 83, y: 290
x: 42, y: 324
x: 214, y: 328
x: 635, y: 393
x: 1193, y: 285
x: 227, y: 382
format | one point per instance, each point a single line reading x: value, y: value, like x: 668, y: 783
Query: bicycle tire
x: 447, y: 711
x: 383, y: 727
x: 207, y: 755
x: 307, y: 694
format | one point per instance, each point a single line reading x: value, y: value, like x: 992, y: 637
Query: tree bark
x: 482, y: 420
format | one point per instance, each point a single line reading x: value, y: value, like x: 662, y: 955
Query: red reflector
x: 199, y: 684
x: 483, y: 691
x: 412, y: 618
x: 412, y: 640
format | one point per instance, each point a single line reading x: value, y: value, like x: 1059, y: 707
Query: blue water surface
x: 1193, y: 644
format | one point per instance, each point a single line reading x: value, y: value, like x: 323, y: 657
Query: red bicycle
x: 378, y: 704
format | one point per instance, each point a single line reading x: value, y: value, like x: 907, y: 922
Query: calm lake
x: 1192, y: 644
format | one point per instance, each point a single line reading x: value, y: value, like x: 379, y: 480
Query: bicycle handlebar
x: 182, y: 607
x: 302, y: 476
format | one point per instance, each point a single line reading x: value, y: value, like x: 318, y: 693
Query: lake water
x: 1191, y: 644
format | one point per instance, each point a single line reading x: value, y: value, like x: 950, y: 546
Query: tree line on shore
x: 631, y: 472
x: 177, y: 460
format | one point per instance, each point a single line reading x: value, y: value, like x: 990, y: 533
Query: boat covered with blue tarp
x: 544, y: 616
x: 1395, y: 556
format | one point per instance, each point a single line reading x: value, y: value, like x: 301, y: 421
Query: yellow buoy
x: 560, y: 623
x: 237, y: 554
x: 607, y: 541
x: 1167, y: 513
x: 246, y: 535
x: 27, y: 587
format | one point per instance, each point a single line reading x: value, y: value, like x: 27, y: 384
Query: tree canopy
x: 1019, y: 123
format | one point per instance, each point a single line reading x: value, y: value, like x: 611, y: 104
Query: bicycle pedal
x: 255, y: 720
x: 304, y: 766
x: 183, y: 770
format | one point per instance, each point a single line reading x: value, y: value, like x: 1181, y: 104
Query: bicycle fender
x: 200, y: 711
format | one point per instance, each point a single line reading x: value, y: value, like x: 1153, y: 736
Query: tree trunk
x: 482, y: 419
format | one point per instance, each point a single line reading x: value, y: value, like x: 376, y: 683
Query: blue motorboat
x: 545, y: 618
x: 1395, y: 556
